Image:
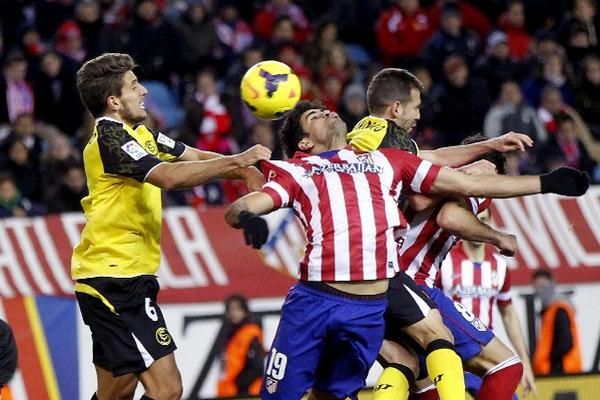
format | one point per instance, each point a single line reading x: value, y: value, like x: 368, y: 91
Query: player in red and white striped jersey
x: 474, y: 275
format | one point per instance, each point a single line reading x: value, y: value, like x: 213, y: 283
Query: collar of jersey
x: 109, y: 119
x: 325, y: 154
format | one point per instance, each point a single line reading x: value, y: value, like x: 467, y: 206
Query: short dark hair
x: 102, y: 77
x: 542, y: 273
x: 390, y: 85
x: 291, y: 132
x: 495, y: 157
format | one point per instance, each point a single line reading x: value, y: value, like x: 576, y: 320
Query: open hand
x: 512, y: 141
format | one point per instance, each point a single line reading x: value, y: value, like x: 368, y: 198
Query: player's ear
x: 113, y: 103
x: 396, y: 109
x: 305, y: 145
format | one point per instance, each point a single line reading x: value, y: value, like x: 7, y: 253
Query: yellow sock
x: 445, y: 370
x: 392, y: 384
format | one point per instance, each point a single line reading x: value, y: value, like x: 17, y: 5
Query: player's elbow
x: 231, y: 215
x: 163, y: 178
x: 447, y: 219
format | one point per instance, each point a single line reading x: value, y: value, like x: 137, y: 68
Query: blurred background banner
x: 204, y: 261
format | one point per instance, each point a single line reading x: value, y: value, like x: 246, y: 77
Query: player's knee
x: 169, y: 390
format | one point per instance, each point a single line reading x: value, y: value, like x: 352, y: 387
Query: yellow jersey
x: 372, y: 133
x: 121, y: 238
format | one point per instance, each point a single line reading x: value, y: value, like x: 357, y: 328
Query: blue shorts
x: 470, y: 334
x: 323, y: 341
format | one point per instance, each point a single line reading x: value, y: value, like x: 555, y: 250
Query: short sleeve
x: 121, y: 154
x: 504, y: 295
x: 168, y: 149
x: 414, y: 172
x: 280, y: 184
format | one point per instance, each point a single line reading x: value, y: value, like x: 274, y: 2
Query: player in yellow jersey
x: 126, y: 165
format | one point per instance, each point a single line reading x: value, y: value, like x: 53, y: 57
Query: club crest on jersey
x: 350, y: 168
x: 134, y: 150
x: 271, y: 385
x: 365, y: 158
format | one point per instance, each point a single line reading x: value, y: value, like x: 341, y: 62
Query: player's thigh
x: 492, y: 354
x: 470, y: 334
x: 111, y: 387
x: 354, y: 340
x: 298, y: 344
x: 162, y: 379
x: 429, y: 329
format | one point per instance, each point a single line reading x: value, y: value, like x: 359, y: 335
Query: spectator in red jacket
x: 512, y: 22
x: 264, y: 20
x: 402, y: 31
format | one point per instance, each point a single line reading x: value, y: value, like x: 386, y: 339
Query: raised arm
x: 186, y: 174
x: 252, y: 176
x: 566, y: 181
x: 456, y: 217
x: 460, y: 155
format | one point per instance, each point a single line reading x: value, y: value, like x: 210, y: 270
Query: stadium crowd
x: 531, y: 66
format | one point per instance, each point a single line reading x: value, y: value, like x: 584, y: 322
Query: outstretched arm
x: 186, y: 174
x: 456, y: 217
x: 252, y: 176
x: 566, y: 181
x: 456, y: 156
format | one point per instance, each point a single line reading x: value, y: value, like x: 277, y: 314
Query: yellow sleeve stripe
x: 87, y: 289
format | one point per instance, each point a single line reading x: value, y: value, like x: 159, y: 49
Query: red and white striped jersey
x: 478, y: 286
x: 347, y: 202
x: 425, y: 244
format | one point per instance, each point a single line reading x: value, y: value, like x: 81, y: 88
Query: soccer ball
x: 270, y: 89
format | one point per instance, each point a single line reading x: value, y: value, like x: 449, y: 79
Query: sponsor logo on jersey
x: 134, y: 150
x: 165, y: 140
x: 271, y: 385
x: 162, y: 336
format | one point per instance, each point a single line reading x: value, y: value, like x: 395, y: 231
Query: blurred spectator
x: 317, y: 49
x: 262, y: 133
x: 583, y: 17
x: 460, y: 102
x: 25, y: 170
x: 578, y: 47
x: 32, y: 44
x: 496, y: 66
x: 16, y: 94
x: 264, y: 20
x: 72, y: 187
x: 24, y: 130
x: 553, y: 73
x: 557, y: 350
x: 402, y: 30
x: 235, y: 35
x: 587, y: 93
x: 282, y: 36
x: 89, y: 21
x: 565, y: 147
x: 330, y: 91
x: 12, y: 203
x: 354, y: 104
x: 511, y: 113
x: 198, y: 35
x: 550, y: 106
x: 425, y: 133
x: 56, y: 95
x: 472, y: 18
x: 242, y: 351
x: 451, y: 38
x: 56, y: 160
x: 69, y: 42
x: 153, y: 42
x: 512, y: 22
x: 337, y: 64
x: 207, y: 118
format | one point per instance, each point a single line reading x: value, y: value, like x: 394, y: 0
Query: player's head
x: 108, y: 86
x: 495, y: 157
x: 312, y: 128
x: 395, y: 94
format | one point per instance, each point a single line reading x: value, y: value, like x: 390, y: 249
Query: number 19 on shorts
x: 276, y: 365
